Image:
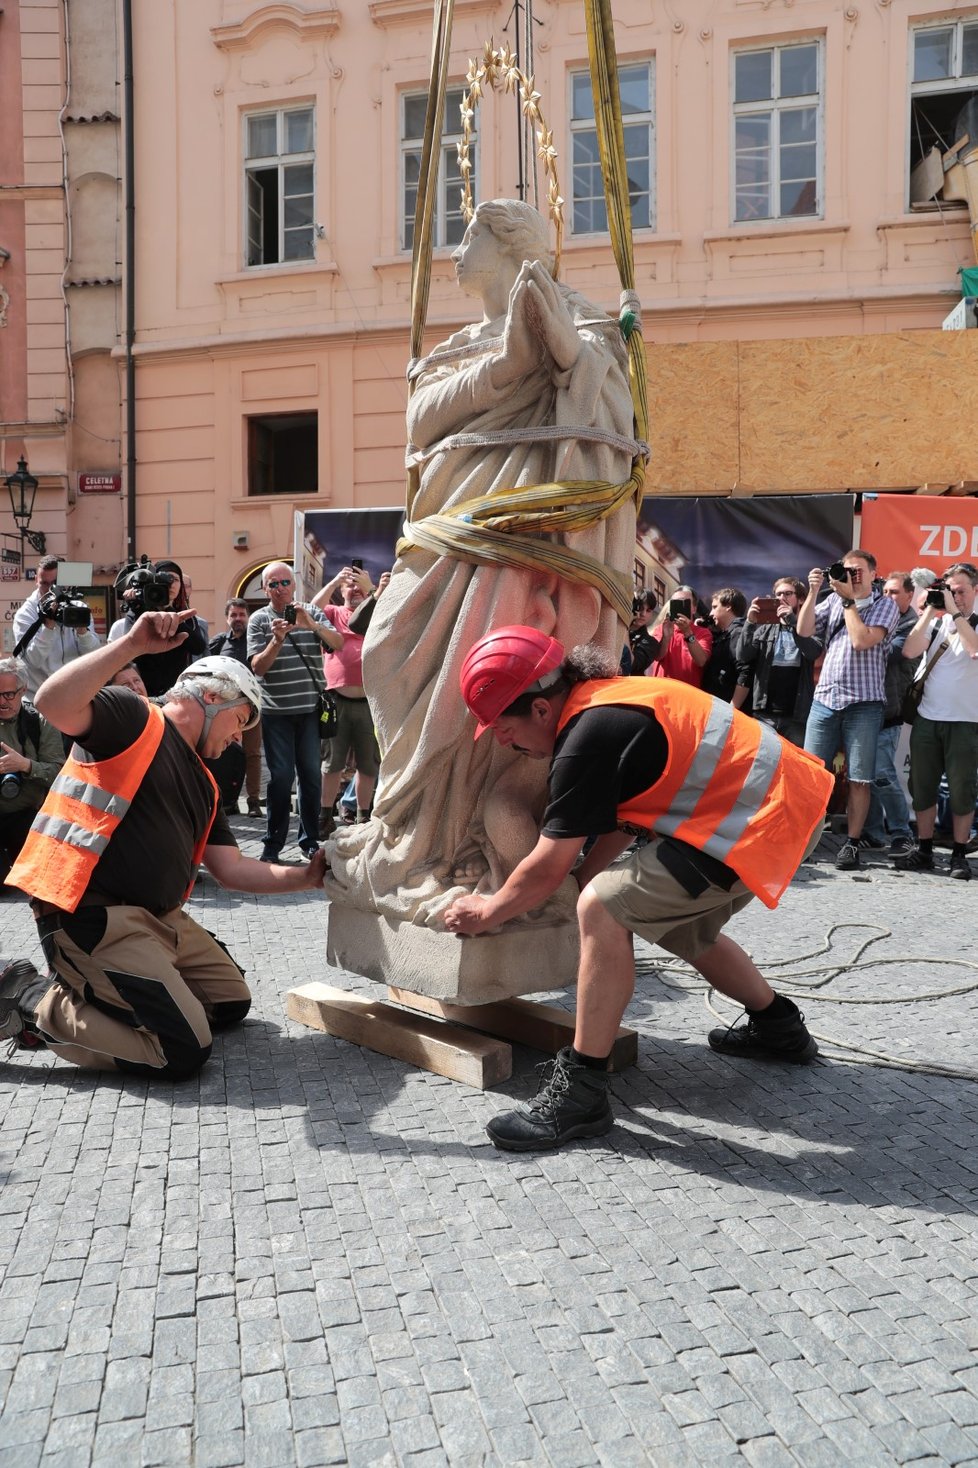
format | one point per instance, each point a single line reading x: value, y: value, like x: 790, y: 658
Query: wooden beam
x: 523, y: 1021
x: 432, y: 1044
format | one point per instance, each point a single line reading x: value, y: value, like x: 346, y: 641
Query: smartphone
x: 357, y: 563
x: 767, y: 609
x: 679, y: 607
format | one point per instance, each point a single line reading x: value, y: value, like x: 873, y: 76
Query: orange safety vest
x: 731, y: 787
x: 82, y: 812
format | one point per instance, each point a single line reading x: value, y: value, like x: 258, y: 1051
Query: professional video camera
x: 148, y: 587
x: 64, y: 605
x: 935, y: 595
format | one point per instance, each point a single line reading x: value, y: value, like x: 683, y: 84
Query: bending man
x: 112, y: 855
x: 735, y: 809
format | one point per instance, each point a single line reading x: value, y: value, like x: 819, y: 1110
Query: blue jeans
x: 291, y: 746
x: 888, y: 813
x: 854, y: 729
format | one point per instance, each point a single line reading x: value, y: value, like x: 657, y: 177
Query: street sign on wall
x: 100, y: 484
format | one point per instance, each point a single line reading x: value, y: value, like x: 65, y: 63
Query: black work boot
x: 775, y: 1033
x: 21, y: 990
x: 572, y: 1102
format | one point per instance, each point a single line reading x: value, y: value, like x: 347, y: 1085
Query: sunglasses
x: 274, y: 585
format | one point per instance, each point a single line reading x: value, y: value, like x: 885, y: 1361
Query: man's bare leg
x: 605, y: 977
x: 728, y: 968
x: 857, y: 808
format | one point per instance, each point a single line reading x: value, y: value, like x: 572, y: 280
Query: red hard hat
x: 503, y: 665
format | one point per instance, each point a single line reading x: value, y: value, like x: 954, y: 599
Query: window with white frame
x: 449, y: 224
x: 777, y: 125
x: 943, y: 103
x: 280, y: 176
x: 589, y: 214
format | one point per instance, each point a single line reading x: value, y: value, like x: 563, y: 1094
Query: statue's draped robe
x: 453, y: 815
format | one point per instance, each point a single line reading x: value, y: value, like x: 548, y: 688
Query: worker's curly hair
x: 588, y: 661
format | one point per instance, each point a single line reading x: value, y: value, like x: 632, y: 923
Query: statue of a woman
x: 453, y: 815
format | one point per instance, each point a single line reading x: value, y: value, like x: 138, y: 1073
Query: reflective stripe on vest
x: 79, y: 817
x: 732, y: 788
x: 701, y: 771
x: 93, y: 795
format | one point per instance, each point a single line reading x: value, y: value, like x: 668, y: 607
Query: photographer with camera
x: 683, y: 645
x: 31, y: 754
x: 52, y: 627
x: 285, y: 651
x: 944, y: 735
x: 136, y: 984
x: 855, y: 626
x: 640, y: 649
x: 145, y: 587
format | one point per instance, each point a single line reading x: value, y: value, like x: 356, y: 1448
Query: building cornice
x: 867, y: 303
x: 314, y: 24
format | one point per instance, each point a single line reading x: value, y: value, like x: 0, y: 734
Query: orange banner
x: 907, y: 530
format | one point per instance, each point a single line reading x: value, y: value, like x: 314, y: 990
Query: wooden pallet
x: 468, y: 1043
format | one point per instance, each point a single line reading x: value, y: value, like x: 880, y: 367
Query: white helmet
x: 237, y: 673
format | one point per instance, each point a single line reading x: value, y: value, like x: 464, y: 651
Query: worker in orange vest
x: 731, y: 810
x: 136, y: 984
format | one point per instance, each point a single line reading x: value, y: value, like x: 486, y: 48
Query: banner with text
x: 907, y: 530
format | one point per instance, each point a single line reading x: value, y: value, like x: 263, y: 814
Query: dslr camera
x: 836, y: 572
x: 935, y: 595
x: 63, y: 604
x: 151, y: 587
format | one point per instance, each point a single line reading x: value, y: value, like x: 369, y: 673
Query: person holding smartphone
x: 780, y: 661
x: 684, y: 645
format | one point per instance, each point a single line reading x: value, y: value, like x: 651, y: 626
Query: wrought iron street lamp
x: 22, y: 487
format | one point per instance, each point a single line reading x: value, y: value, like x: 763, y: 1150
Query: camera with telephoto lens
x: 10, y: 785
x: 935, y: 595
x: 149, y: 588
x: 288, y: 614
x: 836, y: 572
x: 64, y: 605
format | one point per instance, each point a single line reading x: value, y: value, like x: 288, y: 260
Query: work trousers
x: 134, y: 992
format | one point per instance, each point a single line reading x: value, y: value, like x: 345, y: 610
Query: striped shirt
x: 289, y: 686
x: 849, y: 675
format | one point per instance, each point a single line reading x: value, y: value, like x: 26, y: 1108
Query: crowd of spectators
x: 828, y: 665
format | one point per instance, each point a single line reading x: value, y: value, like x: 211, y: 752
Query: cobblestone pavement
x: 312, y: 1255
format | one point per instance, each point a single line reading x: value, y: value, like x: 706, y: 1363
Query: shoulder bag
x: 329, y: 714
x: 910, y: 707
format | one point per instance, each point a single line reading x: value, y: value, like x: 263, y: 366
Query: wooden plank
x: 431, y: 1044
x: 523, y: 1021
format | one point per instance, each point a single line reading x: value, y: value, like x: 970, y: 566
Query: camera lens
x: 9, y: 785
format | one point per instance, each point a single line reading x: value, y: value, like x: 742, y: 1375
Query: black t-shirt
x: 602, y: 758
x: 149, y: 861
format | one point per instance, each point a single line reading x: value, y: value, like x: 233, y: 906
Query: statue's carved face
x: 479, y: 258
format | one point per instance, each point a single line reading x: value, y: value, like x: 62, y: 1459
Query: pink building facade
x: 793, y: 290
x: 60, y: 266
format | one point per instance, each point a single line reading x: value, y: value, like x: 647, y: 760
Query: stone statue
x: 454, y: 815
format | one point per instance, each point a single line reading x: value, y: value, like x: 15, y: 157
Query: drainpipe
x: 129, y: 181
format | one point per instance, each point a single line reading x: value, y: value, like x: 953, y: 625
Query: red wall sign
x: 904, y: 531
x: 99, y: 483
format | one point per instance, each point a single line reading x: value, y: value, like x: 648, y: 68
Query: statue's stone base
x: 456, y: 970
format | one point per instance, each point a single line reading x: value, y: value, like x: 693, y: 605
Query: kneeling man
x: 136, y: 984
x: 733, y: 810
